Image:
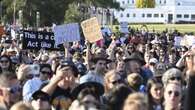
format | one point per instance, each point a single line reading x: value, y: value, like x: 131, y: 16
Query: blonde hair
x: 22, y: 106
x: 107, y: 76
x: 136, y: 101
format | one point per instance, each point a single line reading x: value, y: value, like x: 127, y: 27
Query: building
x: 165, y: 11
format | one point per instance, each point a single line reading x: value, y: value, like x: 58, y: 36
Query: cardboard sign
x: 91, y: 30
x: 124, y: 27
x: 38, y: 40
x: 188, y: 40
x: 66, y: 33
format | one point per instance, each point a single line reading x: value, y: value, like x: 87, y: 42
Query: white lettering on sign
x: 45, y: 45
x: 29, y: 35
x: 32, y: 44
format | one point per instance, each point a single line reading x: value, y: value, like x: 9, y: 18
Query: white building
x: 165, y: 11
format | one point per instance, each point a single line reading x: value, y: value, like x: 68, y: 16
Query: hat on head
x: 40, y: 94
x: 68, y: 62
x: 98, y: 57
x: 88, y: 82
x: 136, y: 57
x: 170, y: 73
x: 153, y: 60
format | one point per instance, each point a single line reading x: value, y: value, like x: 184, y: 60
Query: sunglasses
x: 176, y: 93
x: 41, y: 98
x: 30, y: 76
x: 4, y: 61
x: 45, y: 72
x: 116, y: 82
x: 175, y: 78
x: 130, y: 47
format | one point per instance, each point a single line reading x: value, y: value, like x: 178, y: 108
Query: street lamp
x: 37, y: 19
x: 20, y: 18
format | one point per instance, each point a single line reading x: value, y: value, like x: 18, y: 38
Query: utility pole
x: 14, y: 14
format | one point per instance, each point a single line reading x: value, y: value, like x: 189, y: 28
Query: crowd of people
x: 134, y: 71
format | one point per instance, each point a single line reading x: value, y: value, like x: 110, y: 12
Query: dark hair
x: 150, y: 83
x: 46, y: 66
x: 87, y: 91
x: 10, y: 68
x: 117, y: 96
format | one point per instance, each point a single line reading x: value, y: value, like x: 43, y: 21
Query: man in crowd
x: 10, y: 90
x: 34, y: 84
x: 60, y: 86
x: 172, y: 96
x: 41, y: 101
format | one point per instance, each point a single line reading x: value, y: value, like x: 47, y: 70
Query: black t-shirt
x: 61, y: 98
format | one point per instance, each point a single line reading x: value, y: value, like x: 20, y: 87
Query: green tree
x: 81, y: 9
x: 145, y: 3
x: 72, y: 14
x: 51, y: 11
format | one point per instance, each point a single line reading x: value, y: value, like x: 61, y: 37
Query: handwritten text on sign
x: 66, y: 33
x: 91, y: 30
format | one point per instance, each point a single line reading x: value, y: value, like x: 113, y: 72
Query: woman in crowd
x: 6, y: 63
x: 155, y: 94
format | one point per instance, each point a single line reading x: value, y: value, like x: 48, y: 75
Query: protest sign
x: 91, y: 30
x: 177, y: 40
x: 66, y: 33
x: 124, y: 27
x: 188, y: 40
x: 38, y: 40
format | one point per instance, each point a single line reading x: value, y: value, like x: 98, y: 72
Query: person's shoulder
x: 33, y: 80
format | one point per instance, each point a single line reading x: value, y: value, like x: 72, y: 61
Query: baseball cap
x: 153, y: 60
x: 41, y: 95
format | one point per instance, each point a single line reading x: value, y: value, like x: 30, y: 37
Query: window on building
x: 128, y: 1
x: 133, y: 1
x: 179, y: 4
x: 149, y: 15
x: 121, y: 15
x: 160, y: 2
x: 165, y: 2
x: 128, y: 15
x: 179, y: 16
x: 186, y: 16
x: 134, y: 15
x: 143, y: 15
x: 193, y: 17
x: 123, y: 2
x: 156, y: 15
x: 162, y: 15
